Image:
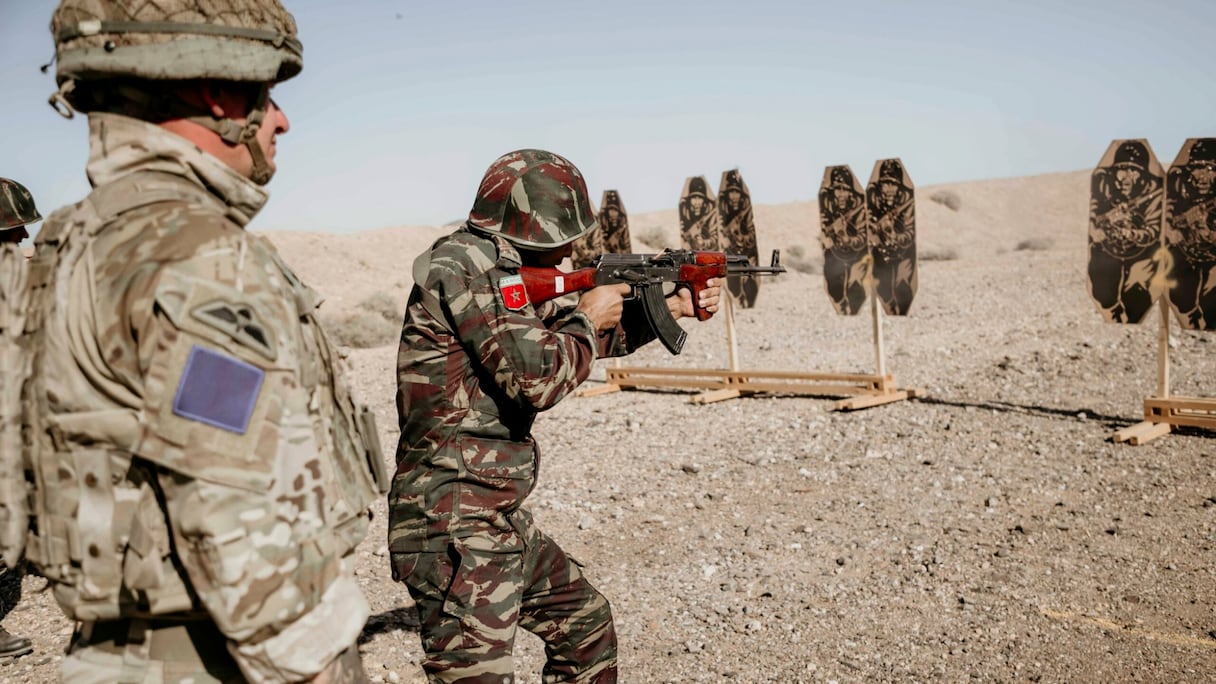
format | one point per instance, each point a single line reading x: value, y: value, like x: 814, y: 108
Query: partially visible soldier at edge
x: 17, y: 210
x: 199, y: 473
x: 477, y: 363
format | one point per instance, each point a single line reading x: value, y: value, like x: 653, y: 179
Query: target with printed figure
x: 1190, y: 233
x: 891, y: 228
x: 699, y: 227
x: 1126, y: 219
x: 738, y: 234
x: 614, y: 224
x: 843, y: 236
x: 588, y: 247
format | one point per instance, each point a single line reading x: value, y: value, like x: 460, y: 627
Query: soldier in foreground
x: 477, y: 362
x: 200, y: 473
x: 17, y: 210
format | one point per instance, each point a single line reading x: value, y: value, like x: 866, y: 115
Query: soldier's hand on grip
x: 603, y: 305
x: 708, y: 297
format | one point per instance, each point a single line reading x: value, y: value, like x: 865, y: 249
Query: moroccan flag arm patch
x: 511, y: 289
x: 218, y: 390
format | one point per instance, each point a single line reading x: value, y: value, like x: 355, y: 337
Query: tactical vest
x: 96, y: 527
x: 14, y: 366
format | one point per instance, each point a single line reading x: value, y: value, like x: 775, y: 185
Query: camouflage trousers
x: 471, y: 604
x: 10, y: 587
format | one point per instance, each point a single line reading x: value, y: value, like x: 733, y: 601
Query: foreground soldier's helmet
x: 16, y: 205
x: 535, y: 199
x: 231, y: 40
x: 101, y: 46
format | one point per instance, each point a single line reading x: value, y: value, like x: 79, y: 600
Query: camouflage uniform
x: 199, y: 473
x: 17, y: 210
x: 471, y: 380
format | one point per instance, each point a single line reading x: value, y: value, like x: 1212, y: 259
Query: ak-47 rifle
x: 647, y: 273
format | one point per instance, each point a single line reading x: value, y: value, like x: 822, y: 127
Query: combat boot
x: 12, y: 646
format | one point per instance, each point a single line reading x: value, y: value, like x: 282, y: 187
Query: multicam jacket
x: 195, y: 452
x: 469, y: 387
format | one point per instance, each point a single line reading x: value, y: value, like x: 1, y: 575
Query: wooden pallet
x: 1161, y: 414
x: 1164, y: 411
x: 863, y: 391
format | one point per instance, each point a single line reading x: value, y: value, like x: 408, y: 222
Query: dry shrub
x: 655, y: 236
x: 1034, y: 245
x: 796, y: 258
x: 937, y: 254
x: 390, y: 307
x: 360, y: 329
x: 948, y: 199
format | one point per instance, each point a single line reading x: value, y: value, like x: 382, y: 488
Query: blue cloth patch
x: 218, y: 390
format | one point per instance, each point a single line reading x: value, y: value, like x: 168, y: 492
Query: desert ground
x: 989, y: 530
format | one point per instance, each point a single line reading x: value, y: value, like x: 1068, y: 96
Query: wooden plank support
x: 719, y: 385
x: 1141, y: 432
x: 715, y: 395
x: 1149, y: 435
x: 867, y: 400
x: 1197, y: 412
x: 596, y: 391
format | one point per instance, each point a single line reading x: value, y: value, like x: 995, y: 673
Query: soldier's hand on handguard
x: 603, y: 305
x: 680, y: 303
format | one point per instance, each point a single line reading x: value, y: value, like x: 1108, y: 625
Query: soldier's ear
x: 211, y: 98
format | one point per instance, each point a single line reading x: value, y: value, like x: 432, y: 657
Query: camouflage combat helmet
x: 535, y: 199
x: 104, y: 45
x: 16, y: 205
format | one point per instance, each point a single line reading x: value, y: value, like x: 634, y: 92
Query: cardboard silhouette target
x: 738, y: 234
x: 611, y: 236
x: 891, y: 206
x: 1152, y: 236
x: 1190, y: 233
x: 1125, y: 231
x: 700, y: 229
x: 843, y: 234
x: 699, y: 226
x: 588, y: 247
x: 614, y: 224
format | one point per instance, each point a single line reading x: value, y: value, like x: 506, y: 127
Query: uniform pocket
x: 478, y: 582
x: 498, y: 459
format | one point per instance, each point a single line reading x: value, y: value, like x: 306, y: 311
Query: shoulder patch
x: 241, y: 323
x: 218, y: 390
x: 511, y: 289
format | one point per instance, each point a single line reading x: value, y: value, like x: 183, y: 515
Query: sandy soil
x: 990, y: 530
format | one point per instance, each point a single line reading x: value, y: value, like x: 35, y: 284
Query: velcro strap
x: 92, y: 27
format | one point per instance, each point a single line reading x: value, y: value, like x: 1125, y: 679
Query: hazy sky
x: 402, y: 105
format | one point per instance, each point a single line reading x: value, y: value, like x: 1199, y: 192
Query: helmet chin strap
x: 133, y: 101
x: 236, y: 134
